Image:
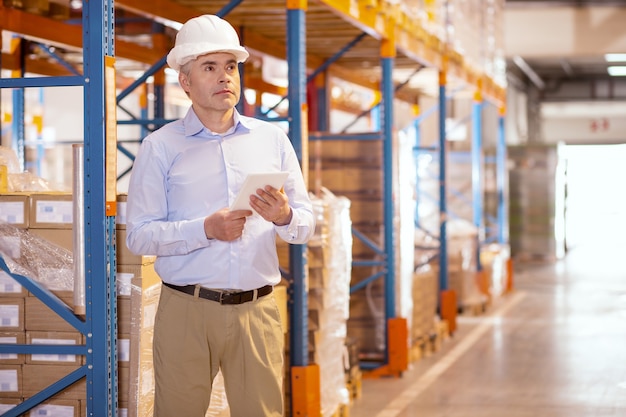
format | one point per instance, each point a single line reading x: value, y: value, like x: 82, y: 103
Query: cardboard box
x: 8, y: 403
x: 39, y: 317
x: 56, y: 408
x: 12, y: 314
x: 9, y: 287
x: 63, y: 238
x: 54, y: 338
x: 37, y: 377
x: 11, y: 381
x: 123, y: 315
x: 15, y: 209
x: 126, y: 272
x: 124, y: 386
x: 145, y: 292
x: 12, y: 338
x: 51, y: 211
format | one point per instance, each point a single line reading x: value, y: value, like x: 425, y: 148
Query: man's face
x: 212, y: 82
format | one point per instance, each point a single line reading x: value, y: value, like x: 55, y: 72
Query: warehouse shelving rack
x: 390, y: 29
x: 99, y: 324
x: 477, y: 161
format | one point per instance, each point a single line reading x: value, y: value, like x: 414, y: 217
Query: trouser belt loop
x: 196, y: 291
x: 255, y: 294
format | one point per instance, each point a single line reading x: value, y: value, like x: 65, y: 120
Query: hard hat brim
x: 182, y: 54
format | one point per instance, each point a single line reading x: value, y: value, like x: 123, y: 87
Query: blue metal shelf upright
x: 99, y: 324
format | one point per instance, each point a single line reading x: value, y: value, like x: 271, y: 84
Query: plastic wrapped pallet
x: 332, y: 319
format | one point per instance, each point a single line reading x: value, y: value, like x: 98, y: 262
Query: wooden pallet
x: 430, y: 344
x: 476, y: 308
x: 354, y: 384
x: 342, y: 411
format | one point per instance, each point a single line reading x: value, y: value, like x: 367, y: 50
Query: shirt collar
x: 193, y: 126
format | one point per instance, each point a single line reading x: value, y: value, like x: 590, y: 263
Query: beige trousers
x: 194, y: 338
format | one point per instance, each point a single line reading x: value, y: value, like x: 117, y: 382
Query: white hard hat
x: 203, y: 35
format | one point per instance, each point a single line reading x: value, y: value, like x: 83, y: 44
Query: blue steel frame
x: 99, y: 327
x: 296, y: 58
x: 443, y: 149
x: 17, y: 124
x: 477, y: 173
x: 501, y: 179
x: 387, y: 129
x: 386, y: 135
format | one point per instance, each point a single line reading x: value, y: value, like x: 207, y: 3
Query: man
x: 218, y: 266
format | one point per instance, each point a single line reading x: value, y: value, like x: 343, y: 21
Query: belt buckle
x: 230, y: 297
x: 223, y: 295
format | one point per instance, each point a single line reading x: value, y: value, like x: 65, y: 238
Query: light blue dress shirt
x: 183, y: 173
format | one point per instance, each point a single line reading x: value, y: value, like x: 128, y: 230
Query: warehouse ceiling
x: 552, y: 54
x: 559, y: 47
x: 262, y: 26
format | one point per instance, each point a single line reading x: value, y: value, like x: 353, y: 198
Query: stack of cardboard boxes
x: 46, y: 222
x: 43, y: 218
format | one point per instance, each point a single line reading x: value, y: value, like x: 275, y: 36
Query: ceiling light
x: 615, y: 57
x: 617, y: 71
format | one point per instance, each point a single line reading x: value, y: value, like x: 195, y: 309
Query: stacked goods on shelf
x: 58, y: 9
x: 462, y: 262
x: 425, y: 305
x: 473, y: 30
x: 532, y: 202
x: 329, y: 256
x: 25, y: 318
x: 36, y: 242
x: 354, y: 169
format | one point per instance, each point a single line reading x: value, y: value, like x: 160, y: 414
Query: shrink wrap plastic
x: 330, y: 349
x: 31, y: 256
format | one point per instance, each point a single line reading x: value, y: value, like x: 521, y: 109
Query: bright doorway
x: 595, y: 204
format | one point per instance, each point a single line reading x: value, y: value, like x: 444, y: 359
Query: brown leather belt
x: 222, y: 297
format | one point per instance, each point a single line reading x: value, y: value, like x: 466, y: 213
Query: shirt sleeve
x: 149, y: 231
x: 302, y: 226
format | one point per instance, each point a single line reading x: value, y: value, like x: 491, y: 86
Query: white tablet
x: 255, y: 181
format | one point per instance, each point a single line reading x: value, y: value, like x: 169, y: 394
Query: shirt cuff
x: 289, y: 232
x: 197, y: 235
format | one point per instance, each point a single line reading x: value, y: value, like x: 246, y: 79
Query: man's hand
x: 272, y: 205
x: 225, y: 225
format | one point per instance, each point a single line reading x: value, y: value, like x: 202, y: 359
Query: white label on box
x: 122, y: 412
x: 6, y: 407
x: 54, y: 357
x: 123, y: 282
x: 10, y: 246
x: 8, y: 340
x: 120, y: 217
x: 8, y: 380
x: 8, y: 285
x: 54, y: 212
x: 12, y: 212
x: 123, y: 350
x: 9, y: 315
x: 51, y: 410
